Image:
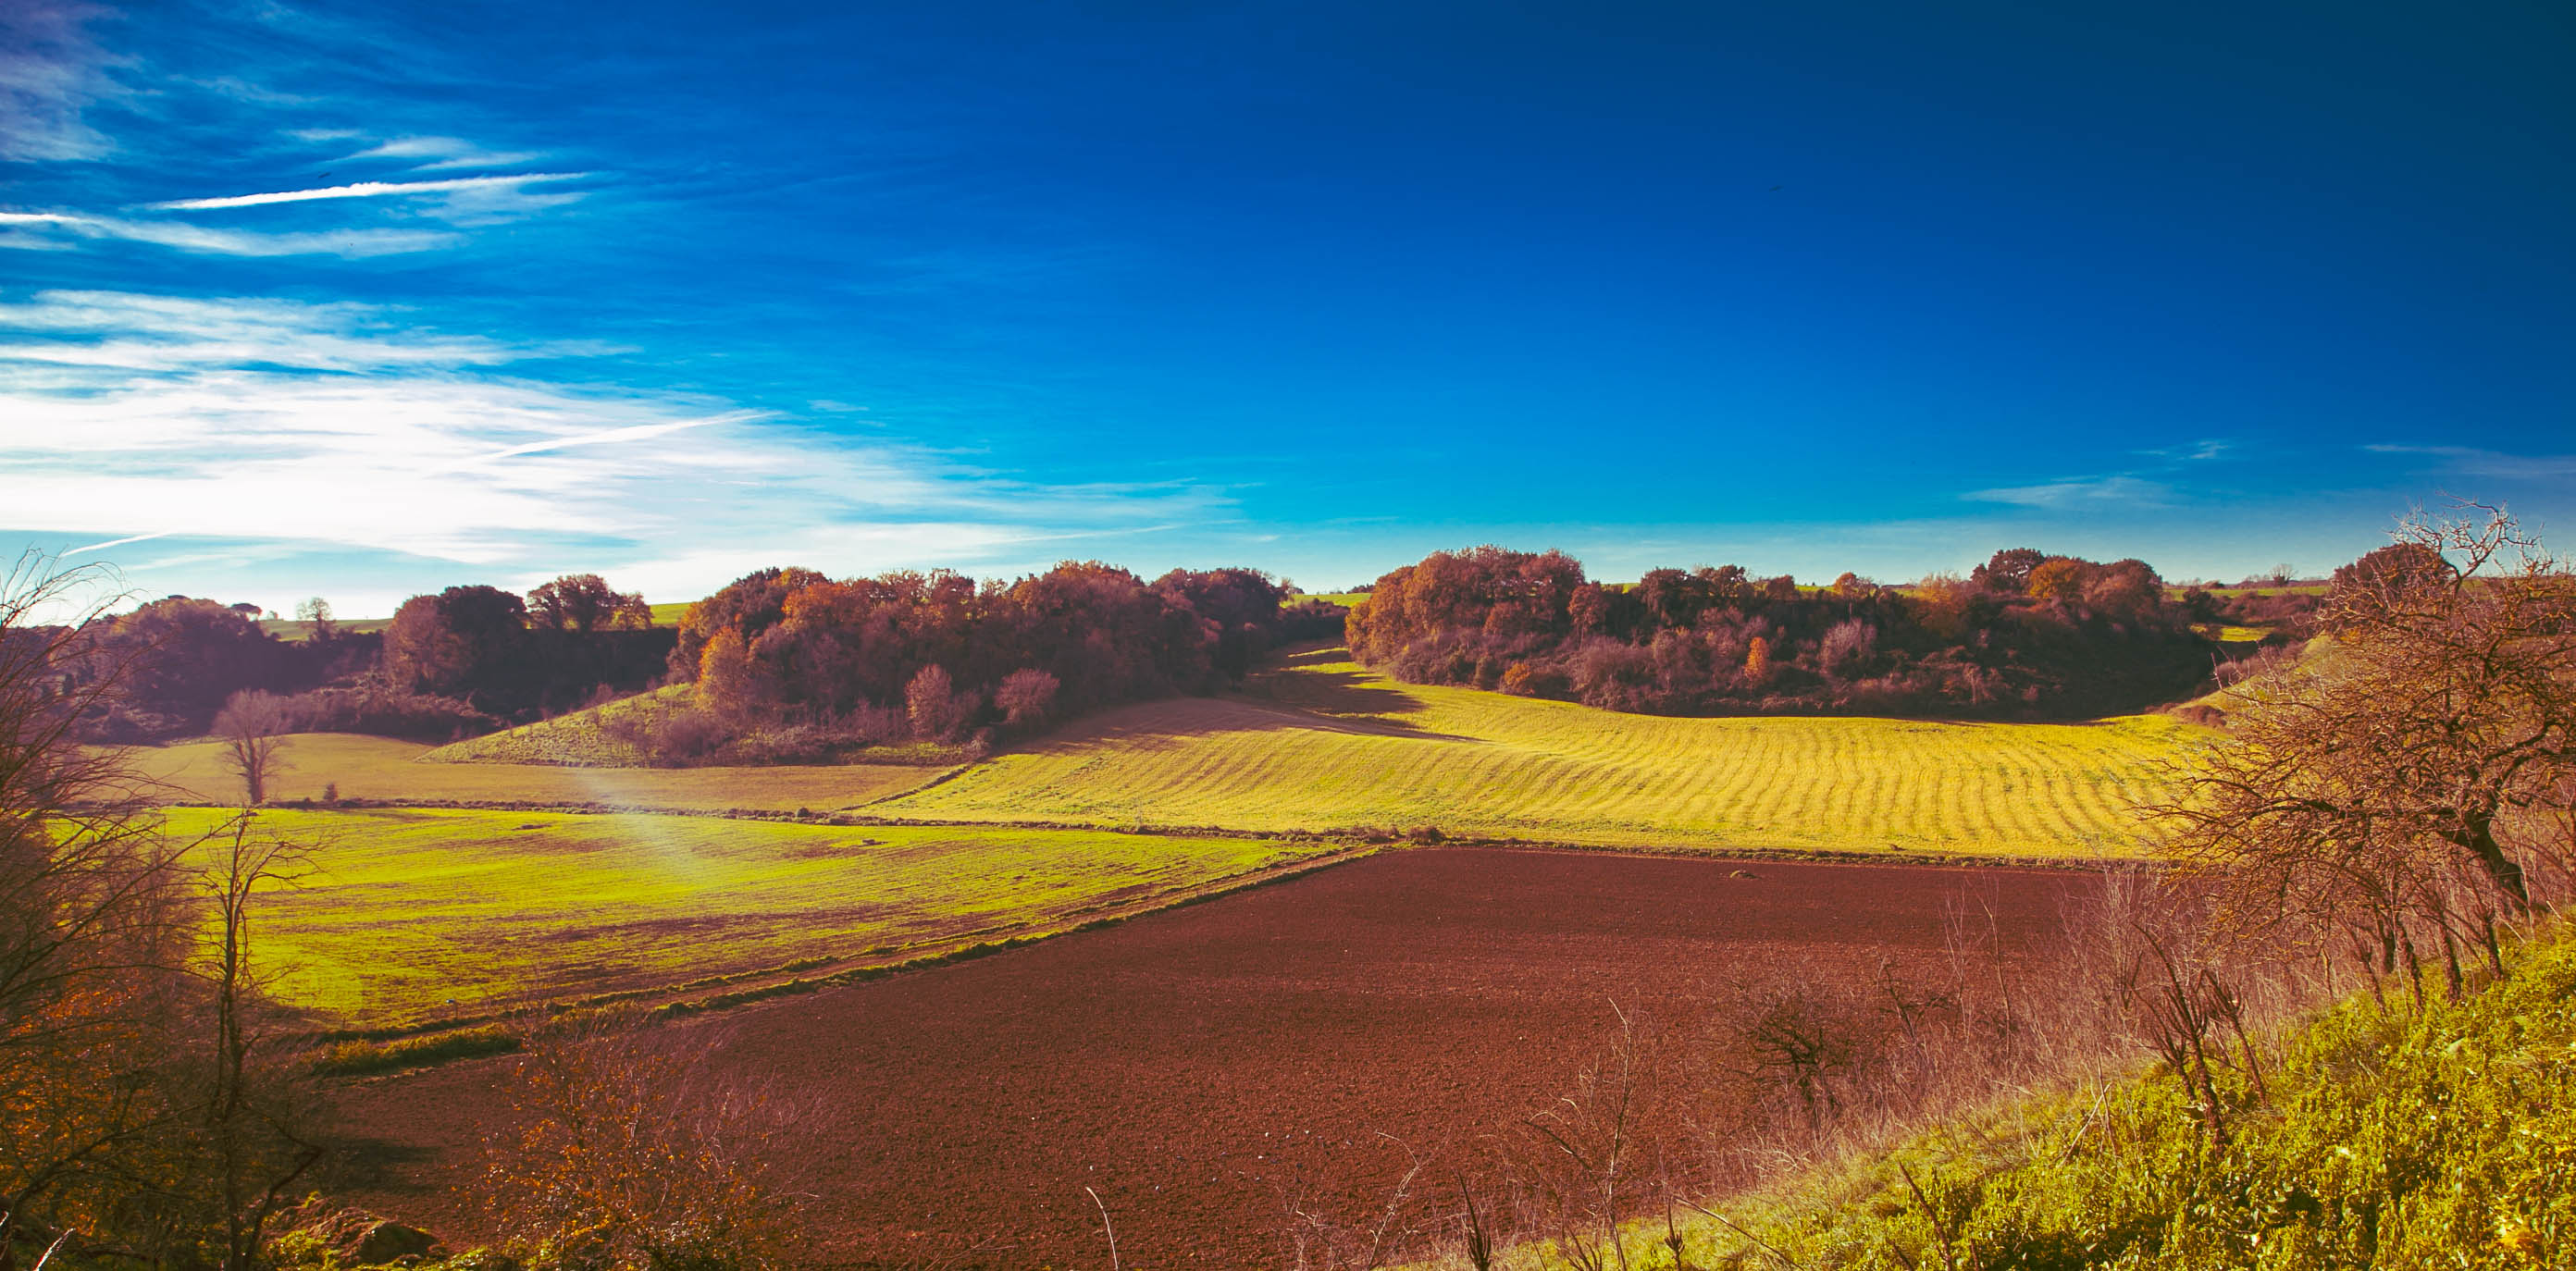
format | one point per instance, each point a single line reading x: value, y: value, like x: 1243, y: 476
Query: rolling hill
x: 1321, y: 743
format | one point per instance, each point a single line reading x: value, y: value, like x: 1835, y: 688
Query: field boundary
x: 1356, y: 835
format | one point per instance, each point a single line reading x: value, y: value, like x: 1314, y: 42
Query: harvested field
x: 1321, y: 743
x: 1205, y: 1067
x: 381, y: 768
x: 406, y: 916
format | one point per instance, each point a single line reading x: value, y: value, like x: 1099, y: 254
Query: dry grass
x: 380, y: 768
x: 1323, y: 743
x: 416, y: 914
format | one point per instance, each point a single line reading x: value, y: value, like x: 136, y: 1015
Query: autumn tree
x: 586, y: 603
x: 178, y: 658
x: 2419, y: 764
x: 454, y: 641
x: 931, y: 702
x: 2008, y: 570
x: 1025, y: 696
x: 252, y: 728
x: 749, y: 605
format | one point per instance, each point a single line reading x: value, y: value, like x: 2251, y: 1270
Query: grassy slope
x: 2441, y: 1140
x: 571, y: 738
x: 404, y: 909
x: 385, y: 769
x: 1324, y: 743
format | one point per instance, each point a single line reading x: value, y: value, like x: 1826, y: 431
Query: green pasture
x: 404, y: 916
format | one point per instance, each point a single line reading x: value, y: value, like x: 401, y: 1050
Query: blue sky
x: 364, y: 300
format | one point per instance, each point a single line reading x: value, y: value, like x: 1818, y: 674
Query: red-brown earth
x: 1206, y: 1068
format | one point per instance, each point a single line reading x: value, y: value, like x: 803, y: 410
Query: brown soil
x: 1206, y: 1068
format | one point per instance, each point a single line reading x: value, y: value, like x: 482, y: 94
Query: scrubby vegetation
x: 2415, y: 1132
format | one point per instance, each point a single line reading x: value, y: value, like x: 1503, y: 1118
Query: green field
x: 416, y: 914
x: 290, y: 629
x: 1322, y: 743
x: 384, y: 769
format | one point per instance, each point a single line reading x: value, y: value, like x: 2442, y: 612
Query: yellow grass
x: 410, y: 915
x: 381, y: 768
x: 2228, y: 633
x: 1323, y: 743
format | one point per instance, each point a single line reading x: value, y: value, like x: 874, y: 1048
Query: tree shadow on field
x: 1310, y: 690
x: 1325, y: 682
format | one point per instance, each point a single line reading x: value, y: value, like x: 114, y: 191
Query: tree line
x: 465, y: 660
x: 2027, y: 633
x: 791, y: 664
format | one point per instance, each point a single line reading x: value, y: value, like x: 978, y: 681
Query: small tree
x: 1025, y: 696
x: 251, y: 1124
x: 316, y: 611
x: 252, y: 728
x: 936, y: 709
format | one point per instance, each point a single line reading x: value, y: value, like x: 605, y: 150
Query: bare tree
x: 317, y: 611
x: 252, y: 727
x: 89, y: 904
x: 253, y: 1132
x: 2411, y: 769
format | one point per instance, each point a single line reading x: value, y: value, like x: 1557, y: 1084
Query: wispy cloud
x: 2470, y: 461
x: 2191, y: 452
x: 2082, y: 492
x: 445, y: 152
x: 50, y: 71
x: 367, y: 190
x: 56, y: 230
x: 132, y: 417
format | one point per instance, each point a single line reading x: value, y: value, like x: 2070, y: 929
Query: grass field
x: 290, y: 629
x: 385, y: 769
x: 1322, y: 743
x: 409, y: 915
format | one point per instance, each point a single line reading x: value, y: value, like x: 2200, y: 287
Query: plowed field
x: 1208, y: 1069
